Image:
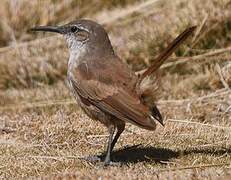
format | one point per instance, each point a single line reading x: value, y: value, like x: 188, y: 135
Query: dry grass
x: 43, y: 133
x: 52, y: 139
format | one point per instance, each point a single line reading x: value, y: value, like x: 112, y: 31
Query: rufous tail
x: 167, y: 52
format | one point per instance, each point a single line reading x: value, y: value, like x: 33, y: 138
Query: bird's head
x: 81, y: 34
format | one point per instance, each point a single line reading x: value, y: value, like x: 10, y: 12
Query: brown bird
x: 104, y: 87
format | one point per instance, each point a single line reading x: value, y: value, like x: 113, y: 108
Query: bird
x: 105, y: 88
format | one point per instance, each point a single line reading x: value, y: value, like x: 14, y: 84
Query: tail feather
x: 157, y: 115
x: 167, y: 52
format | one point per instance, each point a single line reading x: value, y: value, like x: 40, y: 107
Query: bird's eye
x: 74, y: 29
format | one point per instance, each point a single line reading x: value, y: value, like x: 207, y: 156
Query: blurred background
x: 139, y: 30
x: 42, y: 130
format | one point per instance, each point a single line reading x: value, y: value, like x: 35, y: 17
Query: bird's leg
x: 120, y: 129
x: 111, y: 130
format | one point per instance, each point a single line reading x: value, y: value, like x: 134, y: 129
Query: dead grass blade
x: 197, y: 57
x: 58, y: 158
x: 38, y: 104
x: 129, y: 11
x: 218, y: 68
x: 200, y: 124
x: 195, y: 167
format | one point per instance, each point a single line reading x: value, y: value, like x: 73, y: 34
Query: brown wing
x: 110, y: 87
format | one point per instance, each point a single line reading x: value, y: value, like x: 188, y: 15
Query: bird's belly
x: 96, y: 114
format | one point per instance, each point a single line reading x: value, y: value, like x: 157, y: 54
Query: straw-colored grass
x: 43, y: 133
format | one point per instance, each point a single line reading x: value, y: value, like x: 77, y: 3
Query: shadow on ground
x: 134, y: 154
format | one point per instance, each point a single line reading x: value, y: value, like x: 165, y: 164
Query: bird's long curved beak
x: 56, y: 29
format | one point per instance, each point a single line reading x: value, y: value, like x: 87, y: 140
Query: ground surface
x: 43, y: 133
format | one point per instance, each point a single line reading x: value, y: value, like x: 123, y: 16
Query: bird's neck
x: 76, y: 57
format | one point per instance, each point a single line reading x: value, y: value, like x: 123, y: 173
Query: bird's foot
x: 103, y: 165
x: 98, y: 161
x: 114, y: 164
x: 108, y: 162
x: 92, y: 159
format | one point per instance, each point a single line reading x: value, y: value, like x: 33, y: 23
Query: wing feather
x: 114, y: 96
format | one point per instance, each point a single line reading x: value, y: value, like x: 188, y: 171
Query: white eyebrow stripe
x: 82, y: 28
